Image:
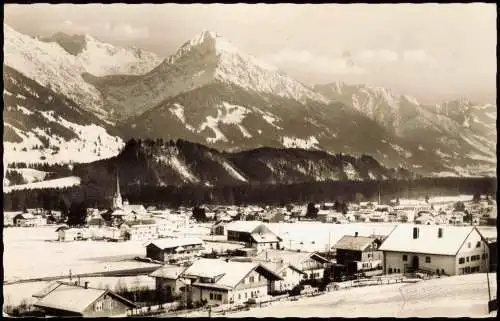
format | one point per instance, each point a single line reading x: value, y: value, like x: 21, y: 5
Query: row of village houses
x: 272, y: 270
x: 418, y: 212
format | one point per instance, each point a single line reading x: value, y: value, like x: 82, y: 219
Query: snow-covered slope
x: 205, y: 59
x: 52, y: 67
x: 52, y: 64
x: 102, y: 59
x: 467, y: 132
x: 42, y: 126
x: 171, y: 163
x: 51, y: 183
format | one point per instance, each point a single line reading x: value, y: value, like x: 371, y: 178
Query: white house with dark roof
x: 65, y: 300
x: 449, y: 250
x: 291, y: 275
x: 253, y: 233
x: 226, y: 282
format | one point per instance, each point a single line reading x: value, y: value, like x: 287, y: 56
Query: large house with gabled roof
x: 61, y: 299
x: 227, y: 282
x: 435, y: 249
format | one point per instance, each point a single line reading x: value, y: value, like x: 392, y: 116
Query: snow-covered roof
x: 290, y: 257
x: 264, y: 237
x: 278, y: 267
x: 137, y: 208
x: 243, y: 226
x: 356, y: 243
x: 232, y: 272
x: 168, y: 272
x: 401, y: 239
x: 118, y: 212
x: 26, y: 216
x: 173, y: 243
x: 73, y: 298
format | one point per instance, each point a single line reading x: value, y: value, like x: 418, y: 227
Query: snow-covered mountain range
x: 211, y: 93
x: 52, y: 66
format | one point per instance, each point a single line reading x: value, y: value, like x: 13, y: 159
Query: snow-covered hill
x: 43, y: 126
x: 163, y: 163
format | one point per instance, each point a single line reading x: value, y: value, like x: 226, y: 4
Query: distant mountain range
x: 211, y: 93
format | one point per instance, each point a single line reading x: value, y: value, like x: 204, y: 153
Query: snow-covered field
x: 27, y: 254
x: 30, y: 254
x: 51, y: 183
x: 457, y: 296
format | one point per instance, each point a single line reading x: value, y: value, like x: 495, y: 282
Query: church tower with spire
x: 117, y: 197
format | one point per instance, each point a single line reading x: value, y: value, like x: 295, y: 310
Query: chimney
x: 86, y: 285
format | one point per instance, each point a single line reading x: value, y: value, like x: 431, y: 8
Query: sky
x: 433, y: 52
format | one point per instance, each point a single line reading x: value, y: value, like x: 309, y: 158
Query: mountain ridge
x: 211, y: 93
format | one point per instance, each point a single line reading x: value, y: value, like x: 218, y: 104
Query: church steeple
x: 117, y: 198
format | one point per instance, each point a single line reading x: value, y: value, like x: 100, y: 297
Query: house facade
x: 448, y: 250
x: 253, y: 234
x: 292, y: 276
x: 311, y: 263
x: 174, y: 250
x: 59, y: 301
x: 168, y: 280
x: 29, y: 220
x: 359, y: 253
x: 139, y: 231
x: 226, y: 282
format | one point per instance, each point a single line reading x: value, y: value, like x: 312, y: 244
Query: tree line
x: 260, y: 194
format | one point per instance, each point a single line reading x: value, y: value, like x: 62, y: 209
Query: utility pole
x: 487, y: 276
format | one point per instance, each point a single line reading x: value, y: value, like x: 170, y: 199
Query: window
x: 251, y: 279
x: 415, y: 232
x: 211, y: 296
x: 405, y: 258
x: 283, y: 273
x: 478, y: 244
x: 246, y: 295
x: 484, y: 256
x: 467, y: 259
x: 461, y: 260
x: 390, y: 270
x: 468, y: 245
x: 258, y: 278
x: 239, y: 296
x: 440, y: 233
x: 427, y: 259
x: 243, y: 281
x: 98, y: 306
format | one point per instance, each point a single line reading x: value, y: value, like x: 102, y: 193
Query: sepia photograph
x: 250, y: 160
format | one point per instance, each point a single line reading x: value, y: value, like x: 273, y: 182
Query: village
x: 225, y: 259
